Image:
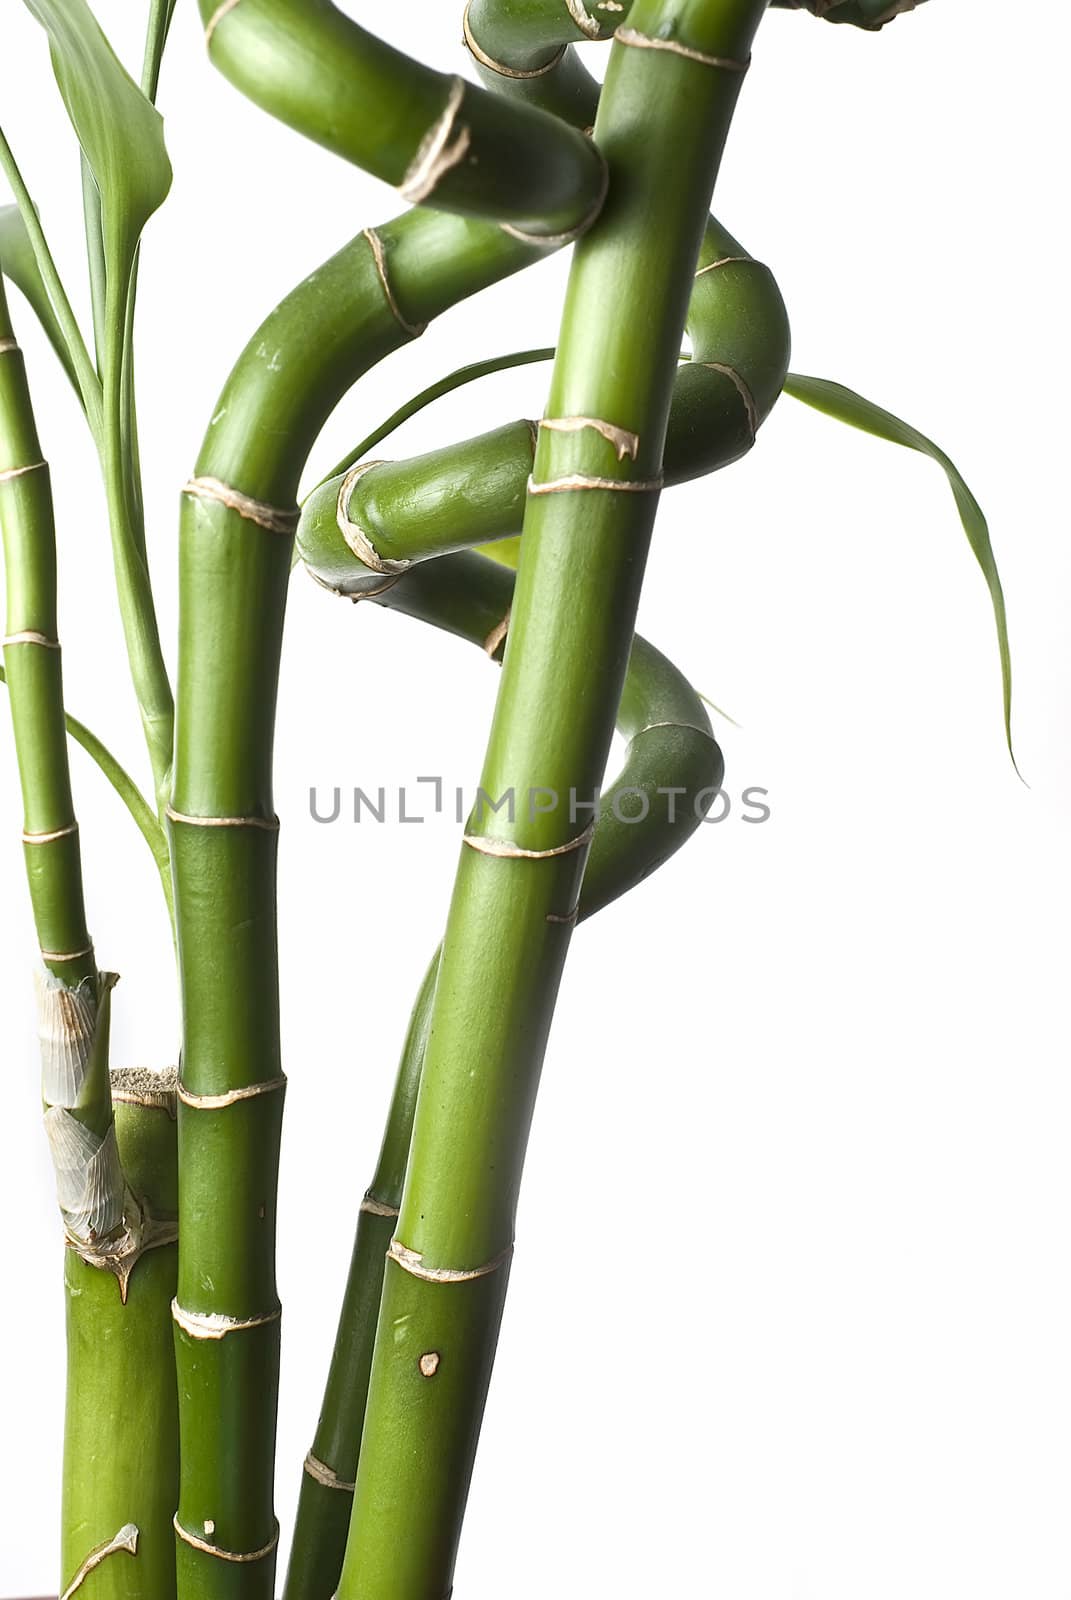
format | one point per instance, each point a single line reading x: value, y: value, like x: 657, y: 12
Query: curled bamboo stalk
x: 670, y: 775
x: 671, y: 87
x: 434, y: 137
x: 390, y: 515
x: 120, y: 1440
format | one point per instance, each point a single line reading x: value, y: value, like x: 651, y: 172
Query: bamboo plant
x: 528, y: 541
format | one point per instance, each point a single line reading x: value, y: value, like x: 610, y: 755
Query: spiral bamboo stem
x: 392, y: 514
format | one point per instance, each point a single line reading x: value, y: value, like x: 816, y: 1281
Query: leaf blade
x: 845, y: 405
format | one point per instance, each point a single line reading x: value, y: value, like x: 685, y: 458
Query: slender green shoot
x: 127, y: 790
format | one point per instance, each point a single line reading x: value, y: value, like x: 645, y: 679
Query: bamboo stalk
x: 585, y: 540
x: 671, y: 772
x: 120, y: 1445
x: 432, y: 136
x: 121, y: 1428
x: 238, y: 517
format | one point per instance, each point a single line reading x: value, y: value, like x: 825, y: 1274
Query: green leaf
x: 19, y: 263
x: 120, y: 131
x: 846, y: 406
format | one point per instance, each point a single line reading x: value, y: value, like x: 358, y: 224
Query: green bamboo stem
x: 672, y: 87
x: 432, y: 136
x: 239, y: 515
x: 671, y: 772
x: 121, y: 1428
x: 118, y: 1390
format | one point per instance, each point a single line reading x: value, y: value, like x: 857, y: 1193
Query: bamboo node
x: 197, y: 1543
x: 216, y: 1324
x: 20, y: 472
x: 412, y: 1261
x: 644, y: 41
x: 125, y: 1540
x: 375, y: 244
x: 691, y: 727
x: 742, y: 389
x: 377, y: 1208
x: 486, y: 845
x: 216, y: 18
x: 480, y: 55
x: 568, y: 918
x: 585, y: 22
x: 355, y: 536
x: 624, y: 442
x: 230, y: 1097
x: 49, y: 838
x: 272, y: 518
x: 8, y: 347
x: 497, y: 633
x: 580, y: 480
x: 58, y: 957
x: 439, y: 151
x: 268, y: 824
x: 30, y: 636
x: 322, y: 1473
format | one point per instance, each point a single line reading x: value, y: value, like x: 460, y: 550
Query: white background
x: 790, y: 1313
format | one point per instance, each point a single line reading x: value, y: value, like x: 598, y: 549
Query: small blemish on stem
x: 429, y: 1363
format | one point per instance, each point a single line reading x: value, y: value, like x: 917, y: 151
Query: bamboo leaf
x: 846, y: 406
x: 19, y: 264
x: 118, y: 128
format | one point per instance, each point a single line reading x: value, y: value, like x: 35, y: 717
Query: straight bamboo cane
x: 120, y: 1437
x: 671, y: 86
x: 670, y: 775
